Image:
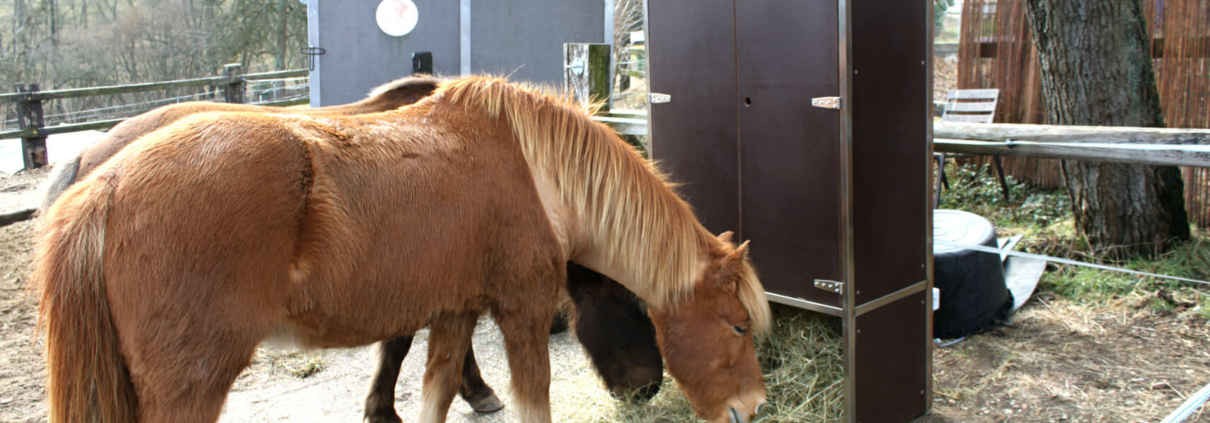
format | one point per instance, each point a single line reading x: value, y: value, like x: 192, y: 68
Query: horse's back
x: 131, y: 129
x: 207, y: 211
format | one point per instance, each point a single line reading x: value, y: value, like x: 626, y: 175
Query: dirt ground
x: 1058, y: 361
x: 1055, y: 362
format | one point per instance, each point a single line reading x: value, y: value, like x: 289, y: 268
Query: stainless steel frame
x: 844, y: 11
x: 464, y: 37
x: 889, y: 298
x: 928, y: 205
x: 647, y: 74
x: 804, y: 304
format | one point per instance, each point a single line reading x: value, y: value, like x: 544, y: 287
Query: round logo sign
x: 396, y: 17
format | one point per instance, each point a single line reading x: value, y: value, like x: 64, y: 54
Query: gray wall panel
x: 360, y: 57
x: 507, y: 34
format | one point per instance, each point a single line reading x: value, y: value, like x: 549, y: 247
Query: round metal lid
x: 959, y: 227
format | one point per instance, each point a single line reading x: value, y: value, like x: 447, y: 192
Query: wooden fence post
x: 586, y: 72
x: 233, y: 92
x: 29, y: 116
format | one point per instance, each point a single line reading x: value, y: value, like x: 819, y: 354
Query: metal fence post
x: 29, y: 116
x: 233, y: 91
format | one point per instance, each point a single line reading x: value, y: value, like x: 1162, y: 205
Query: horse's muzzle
x: 738, y: 416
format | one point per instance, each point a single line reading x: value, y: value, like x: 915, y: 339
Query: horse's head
x: 707, y: 339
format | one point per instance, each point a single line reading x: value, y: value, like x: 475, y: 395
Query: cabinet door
x: 691, y: 56
x: 786, y: 54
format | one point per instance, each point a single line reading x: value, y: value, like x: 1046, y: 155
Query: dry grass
x: 1063, y: 361
x: 295, y: 363
x: 804, y: 380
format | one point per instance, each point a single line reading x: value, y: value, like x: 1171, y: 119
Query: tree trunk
x: 282, y: 35
x: 1096, y: 70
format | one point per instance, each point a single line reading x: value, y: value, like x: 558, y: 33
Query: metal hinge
x: 826, y: 102
x: 656, y: 98
x: 830, y: 286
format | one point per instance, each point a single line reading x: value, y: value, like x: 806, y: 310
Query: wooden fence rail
x: 1154, y: 146
x: 1149, y: 154
x: 33, y: 131
x: 1070, y: 134
x: 148, y: 86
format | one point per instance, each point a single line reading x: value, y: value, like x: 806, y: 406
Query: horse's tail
x: 61, y: 177
x: 87, y: 379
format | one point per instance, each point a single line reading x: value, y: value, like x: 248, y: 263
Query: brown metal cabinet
x: 833, y: 195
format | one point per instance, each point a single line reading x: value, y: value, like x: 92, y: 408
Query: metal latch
x: 656, y: 98
x: 576, y: 66
x: 826, y: 102
x: 830, y: 286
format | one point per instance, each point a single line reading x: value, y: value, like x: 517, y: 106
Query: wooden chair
x: 974, y: 105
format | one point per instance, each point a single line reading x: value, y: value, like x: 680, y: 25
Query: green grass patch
x: 1088, y: 285
x: 976, y: 189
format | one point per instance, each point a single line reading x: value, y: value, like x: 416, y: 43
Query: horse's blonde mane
x: 623, y: 200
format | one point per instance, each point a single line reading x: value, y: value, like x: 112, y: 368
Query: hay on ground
x: 804, y: 380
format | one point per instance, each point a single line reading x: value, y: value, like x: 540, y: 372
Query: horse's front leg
x: 526, y: 338
x: 449, y: 341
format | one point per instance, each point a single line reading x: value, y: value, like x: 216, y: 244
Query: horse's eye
x: 741, y: 329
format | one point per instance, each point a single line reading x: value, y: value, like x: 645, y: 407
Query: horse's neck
x: 595, y: 259
x: 645, y: 273
x: 610, y: 209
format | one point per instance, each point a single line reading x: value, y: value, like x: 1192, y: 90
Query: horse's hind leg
x: 449, y: 339
x: 380, y: 402
x: 185, y: 377
x: 474, y: 390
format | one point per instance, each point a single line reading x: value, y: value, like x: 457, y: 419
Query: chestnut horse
x: 636, y: 370
x: 162, y: 270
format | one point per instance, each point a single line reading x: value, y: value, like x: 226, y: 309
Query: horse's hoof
x: 488, y: 404
x: 383, y: 418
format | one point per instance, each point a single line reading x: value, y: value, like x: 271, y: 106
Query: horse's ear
x: 740, y: 253
x: 733, y: 263
x: 725, y: 236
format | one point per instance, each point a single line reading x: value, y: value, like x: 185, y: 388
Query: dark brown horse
x: 625, y: 353
x: 161, y: 271
x: 633, y: 371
